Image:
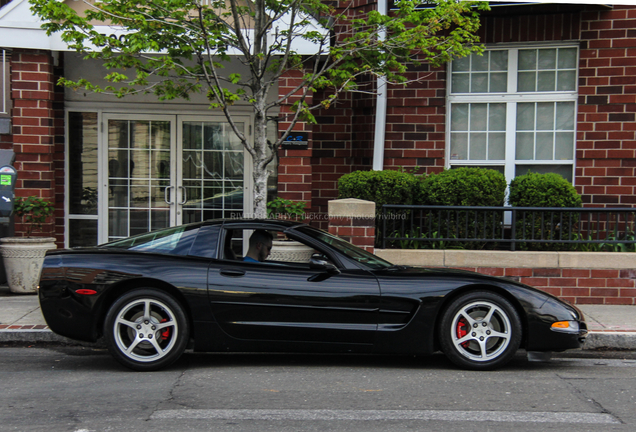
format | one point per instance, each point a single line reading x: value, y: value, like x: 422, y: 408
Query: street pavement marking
x: 440, y: 415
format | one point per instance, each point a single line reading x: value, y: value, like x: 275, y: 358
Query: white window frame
x: 511, y: 99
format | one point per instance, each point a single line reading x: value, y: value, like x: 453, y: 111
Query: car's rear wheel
x: 146, y: 329
x: 480, y: 330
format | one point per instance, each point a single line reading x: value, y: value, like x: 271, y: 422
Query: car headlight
x: 565, y: 326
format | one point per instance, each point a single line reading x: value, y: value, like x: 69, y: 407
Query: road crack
x: 587, y: 398
x: 171, y: 398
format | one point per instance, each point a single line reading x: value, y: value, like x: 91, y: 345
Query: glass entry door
x: 212, y: 174
x: 162, y: 171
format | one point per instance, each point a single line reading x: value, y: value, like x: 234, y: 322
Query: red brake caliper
x: 462, y: 330
x: 166, y: 334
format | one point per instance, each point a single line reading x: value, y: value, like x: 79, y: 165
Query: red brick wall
x: 332, y: 154
x: 294, y: 170
x: 578, y: 286
x: 606, y: 142
x: 416, y: 122
x: 357, y: 230
x: 37, y: 127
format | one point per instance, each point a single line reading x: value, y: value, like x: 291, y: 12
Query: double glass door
x: 166, y: 170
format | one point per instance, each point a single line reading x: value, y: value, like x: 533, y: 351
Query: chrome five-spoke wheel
x: 480, y: 330
x: 146, y: 329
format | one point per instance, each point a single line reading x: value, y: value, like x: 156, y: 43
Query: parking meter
x: 8, y: 177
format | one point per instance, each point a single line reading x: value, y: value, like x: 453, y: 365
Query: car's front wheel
x: 480, y: 330
x: 146, y: 329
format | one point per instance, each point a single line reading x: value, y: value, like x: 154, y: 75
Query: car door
x: 290, y: 302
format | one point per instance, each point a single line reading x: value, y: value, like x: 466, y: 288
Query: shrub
x: 543, y: 190
x: 280, y: 208
x: 33, y: 212
x: 381, y: 187
x: 463, y: 187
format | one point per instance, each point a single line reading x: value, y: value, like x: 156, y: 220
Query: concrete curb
x: 608, y: 340
x: 625, y: 340
x: 33, y: 335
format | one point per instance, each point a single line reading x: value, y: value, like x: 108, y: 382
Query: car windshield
x: 346, y: 248
x: 176, y: 240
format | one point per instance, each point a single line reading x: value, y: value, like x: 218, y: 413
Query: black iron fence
x: 507, y: 228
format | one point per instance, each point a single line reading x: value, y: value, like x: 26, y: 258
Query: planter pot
x: 291, y: 251
x: 23, y: 258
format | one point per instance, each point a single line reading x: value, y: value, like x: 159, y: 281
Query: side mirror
x: 318, y: 262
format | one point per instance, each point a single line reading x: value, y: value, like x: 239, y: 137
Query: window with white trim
x: 514, y: 110
x: 5, y: 93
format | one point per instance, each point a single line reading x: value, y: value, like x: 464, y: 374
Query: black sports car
x: 151, y: 296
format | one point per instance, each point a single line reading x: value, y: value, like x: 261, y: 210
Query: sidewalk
x: 611, y: 327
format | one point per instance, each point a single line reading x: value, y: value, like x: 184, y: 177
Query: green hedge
x: 544, y: 190
x: 381, y: 187
x: 463, y: 187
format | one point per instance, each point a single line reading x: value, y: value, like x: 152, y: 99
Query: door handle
x: 166, y: 193
x: 184, y: 195
x: 232, y: 272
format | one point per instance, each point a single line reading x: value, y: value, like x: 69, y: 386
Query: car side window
x: 175, y: 241
x: 236, y: 246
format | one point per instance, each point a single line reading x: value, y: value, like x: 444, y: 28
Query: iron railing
x: 506, y: 228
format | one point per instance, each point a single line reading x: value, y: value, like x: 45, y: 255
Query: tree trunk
x: 260, y: 172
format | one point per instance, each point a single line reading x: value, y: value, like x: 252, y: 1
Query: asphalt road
x: 81, y: 389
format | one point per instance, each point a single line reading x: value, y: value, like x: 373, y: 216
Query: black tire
x: 146, y: 329
x: 480, y: 330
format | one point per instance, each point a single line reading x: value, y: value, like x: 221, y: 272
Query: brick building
x: 555, y: 91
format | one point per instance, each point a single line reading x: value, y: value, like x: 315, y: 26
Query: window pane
x: 547, y: 58
x: 525, y: 146
x: 118, y: 134
x: 479, y: 83
x: 567, y: 58
x: 545, y: 146
x: 496, y: 146
x: 564, y: 171
x: 478, y: 117
x: 526, y: 81
x: 566, y: 81
x: 82, y: 141
x: 140, y: 194
x: 160, y: 135
x: 459, y: 117
x: 117, y: 223
x: 564, y: 146
x: 497, y: 117
x: 477, y: 146
x: 525, y: 116
x: 140, y: 134
x: 527, y: 59
x: 480, y: 62
x: 499, y: 60
x: 565, y: 116
x: 546, y: 81
x: 461, y: 64
x: 82, y: 232
x: 498, y: 82
x: 460, y: 83
x: 545, y: 116
x: 498, y: 168
x: 118, y: 193
x: 459, y: 146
